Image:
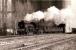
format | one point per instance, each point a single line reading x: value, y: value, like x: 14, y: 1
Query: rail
x: 46, y: 44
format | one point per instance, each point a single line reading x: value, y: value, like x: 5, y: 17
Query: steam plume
x: 34, y: 16
x: 53, y: 14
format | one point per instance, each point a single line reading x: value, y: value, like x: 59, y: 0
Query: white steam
x: 28, y: 17
x: 50, y: 13
x: 64, y: 16
x: 34, y: 16
x: 67, y: 18
x: 53, y: 13
x: 38, y: 15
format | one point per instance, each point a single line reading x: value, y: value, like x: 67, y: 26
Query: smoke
x: 37, y: 16
x: 66, y: 14
x: 52, y: 14
x: 67, y: 17
x: 28, y: 17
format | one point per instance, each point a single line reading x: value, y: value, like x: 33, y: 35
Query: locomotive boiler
x: 39, y: 27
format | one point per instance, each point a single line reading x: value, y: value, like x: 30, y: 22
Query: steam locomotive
x: 39, y: 27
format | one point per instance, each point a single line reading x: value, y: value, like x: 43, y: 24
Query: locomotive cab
x: 21, y: 28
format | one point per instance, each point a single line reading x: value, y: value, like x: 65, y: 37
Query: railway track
x: 39, y: 47
x: 45, y: 44
x: 34, y: 42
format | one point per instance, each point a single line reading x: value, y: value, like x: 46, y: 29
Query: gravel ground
x: 27, y: 41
